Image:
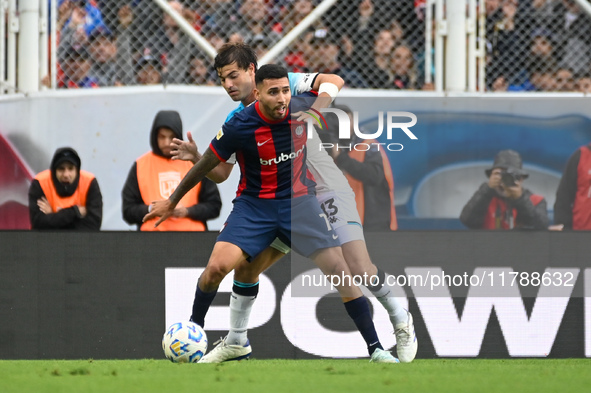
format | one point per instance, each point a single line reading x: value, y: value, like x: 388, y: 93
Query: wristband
x: 329, y: 88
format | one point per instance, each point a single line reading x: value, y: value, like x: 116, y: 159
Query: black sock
x: 201, y: 305
x: 358, y: 310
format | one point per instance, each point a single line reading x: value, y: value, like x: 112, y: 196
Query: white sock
x: 395, y: 310
x: 240, y: 308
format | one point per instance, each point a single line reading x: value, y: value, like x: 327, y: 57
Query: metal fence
x: 528, y: 45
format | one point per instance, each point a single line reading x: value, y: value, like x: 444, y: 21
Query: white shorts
x: 341, y: 210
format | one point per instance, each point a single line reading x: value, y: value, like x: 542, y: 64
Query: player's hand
x: 185, y: 150
x: 82, y: 210
x: 44, y: 205
x: 162, y: 209
x: 302, y: 116
x: 558, y: 227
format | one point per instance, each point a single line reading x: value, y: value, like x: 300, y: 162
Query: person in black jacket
x: 64, y: 196
x: 155, y: 176
x: 502, y: 202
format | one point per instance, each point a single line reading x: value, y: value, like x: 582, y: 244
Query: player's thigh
x: 252, y: 225
x: 341, y: 210
x: 308, y: 228
x: 357, y: 257
x: 248, y: 272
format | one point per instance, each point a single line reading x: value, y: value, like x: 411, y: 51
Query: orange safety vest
x: 157, y: 178
x: 357, y: 185
x: 78, y: 198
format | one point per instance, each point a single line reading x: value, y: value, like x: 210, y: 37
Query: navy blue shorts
x: 300, y: 223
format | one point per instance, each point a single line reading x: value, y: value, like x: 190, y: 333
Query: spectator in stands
x: 510, y: 40
x: 572, y: 209
x: 500, y: 84
x: 255, y: 21
x: 584, y: 84
x: 200, y: 72
x: 573, y: 27
x: 542, y: 78
x: 214, y: 35
x: 148, y: 71
x: 155, y: 176
x: 64, y: 196
x: 76, y: 66
x: 404, y: 75
x: 218, y: 14
x: 295, y: 59
x: 79, y: 19
x: 503, y: 202
x: 295, y: 12
x: 377, y: 68
x: 369, y: 174
x: 124, y: 44
x: 171, y: 46
x: 565, y: 80
x: 323, y: 57
x: 103, y: 52
x: 260, y: 46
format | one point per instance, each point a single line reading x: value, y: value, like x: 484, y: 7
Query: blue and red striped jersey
x: 271, y: 154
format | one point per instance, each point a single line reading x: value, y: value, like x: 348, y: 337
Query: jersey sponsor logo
x: 259, y: 144
x: 219, y: 134
x: 283, y: 157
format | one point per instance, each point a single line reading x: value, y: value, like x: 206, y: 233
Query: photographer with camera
x: 502, y: 202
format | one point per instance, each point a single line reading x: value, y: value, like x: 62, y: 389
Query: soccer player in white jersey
x: 236, y: 66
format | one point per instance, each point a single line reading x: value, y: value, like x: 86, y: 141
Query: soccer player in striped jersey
x: 236, y: 65
x: 275, y: 189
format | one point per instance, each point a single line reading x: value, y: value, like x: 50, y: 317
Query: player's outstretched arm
x: 165, y: 208
x: 328, y: 87
x: 187, y: 151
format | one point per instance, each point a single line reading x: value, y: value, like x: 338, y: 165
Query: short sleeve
x: 225, y: 143
x: 300, y: 82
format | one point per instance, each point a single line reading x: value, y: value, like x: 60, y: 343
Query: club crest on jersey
x: 168, y: 182
x: 219, y: 135
x: 299, y: 131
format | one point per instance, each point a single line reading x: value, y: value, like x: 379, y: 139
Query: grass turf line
x: 302, y: 376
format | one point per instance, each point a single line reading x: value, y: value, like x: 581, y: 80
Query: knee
x: 213, y: 275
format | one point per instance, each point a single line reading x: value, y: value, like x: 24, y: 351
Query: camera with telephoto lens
x: 509, y: 177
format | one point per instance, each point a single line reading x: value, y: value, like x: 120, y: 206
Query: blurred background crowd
x: 531, y: 45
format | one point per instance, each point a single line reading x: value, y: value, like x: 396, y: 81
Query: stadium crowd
x: 531, y: 45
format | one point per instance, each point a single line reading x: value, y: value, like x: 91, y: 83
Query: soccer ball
x: 184, y: 342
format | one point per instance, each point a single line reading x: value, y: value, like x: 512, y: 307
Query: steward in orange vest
x: 154, y: 176
x: 64, y: 196
x: 370, y: 176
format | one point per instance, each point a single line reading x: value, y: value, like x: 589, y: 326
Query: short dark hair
x: 270, y: 71
x: 242, y: 54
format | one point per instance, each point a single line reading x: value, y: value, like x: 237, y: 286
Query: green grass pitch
x: 302, y: 376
